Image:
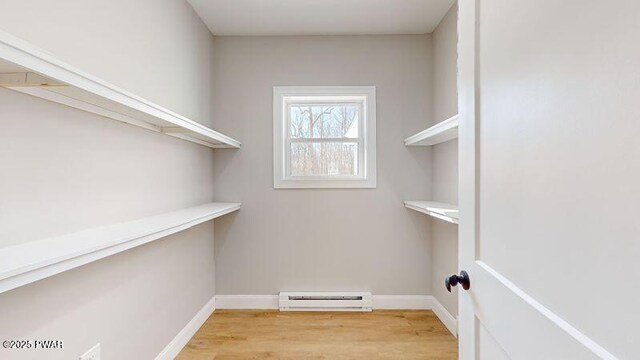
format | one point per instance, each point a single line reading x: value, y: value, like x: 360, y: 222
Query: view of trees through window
x: 324, y: 139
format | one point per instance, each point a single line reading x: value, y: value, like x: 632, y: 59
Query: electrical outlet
x: 92, y: 354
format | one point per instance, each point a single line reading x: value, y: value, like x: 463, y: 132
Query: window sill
x: 324, y: 184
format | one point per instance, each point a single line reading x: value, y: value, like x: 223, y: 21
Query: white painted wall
x: 444, y: 235
x: 64, y: 170
x: 331, y: 239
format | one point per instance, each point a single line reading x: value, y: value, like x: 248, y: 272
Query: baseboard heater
x: 325, y: 301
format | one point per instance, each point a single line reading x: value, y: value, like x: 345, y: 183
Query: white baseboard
x: 447, y: 319
x: 246, y: 302
x: 402, y: 302
x: 183, y: 337
x: 264, y: 302
x: 380, y: 302
x: 417, y: 302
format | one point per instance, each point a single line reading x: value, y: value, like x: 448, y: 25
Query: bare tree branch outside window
x: 330, y: 133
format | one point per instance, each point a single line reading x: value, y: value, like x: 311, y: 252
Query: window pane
x: 324, y: 121
x: 324, y: 159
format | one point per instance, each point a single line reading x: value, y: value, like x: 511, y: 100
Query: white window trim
x: 367, y: 157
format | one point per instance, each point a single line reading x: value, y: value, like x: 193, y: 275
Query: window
x: 324, y: 137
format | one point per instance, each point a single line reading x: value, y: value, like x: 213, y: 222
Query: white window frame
x: 365, y: 95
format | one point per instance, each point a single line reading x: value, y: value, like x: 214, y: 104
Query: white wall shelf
x: 25, y: 263
x: 30, y: 70
x: 438, y: 133
x: 442, y: 211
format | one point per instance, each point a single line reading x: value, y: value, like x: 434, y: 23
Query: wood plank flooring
x: 253, y: 334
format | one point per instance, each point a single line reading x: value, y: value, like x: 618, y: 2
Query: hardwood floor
x: 252, y: 334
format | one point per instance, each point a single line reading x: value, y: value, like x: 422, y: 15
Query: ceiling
x: 320, y: 17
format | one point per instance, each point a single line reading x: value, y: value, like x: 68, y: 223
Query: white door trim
x: 467, y: 180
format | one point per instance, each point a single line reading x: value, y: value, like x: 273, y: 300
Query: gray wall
x: 157, y: 49
x: 64, y: 170
x: 445, y: 158
x: 331, y: 239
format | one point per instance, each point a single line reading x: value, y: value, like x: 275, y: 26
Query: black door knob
x: 453, y: 280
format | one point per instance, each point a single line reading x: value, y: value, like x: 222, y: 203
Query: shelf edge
x: 425, y: 210
x: 437, y: 129
x: 23, y: 54
x: 46, y: 267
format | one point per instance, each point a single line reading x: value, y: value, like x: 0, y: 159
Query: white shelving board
x: 30, y: 70
x: 438, y: 133
x: 442, y: 211
x: 25, y: 263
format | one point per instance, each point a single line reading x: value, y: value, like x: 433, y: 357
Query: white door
x: 550, y: 179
